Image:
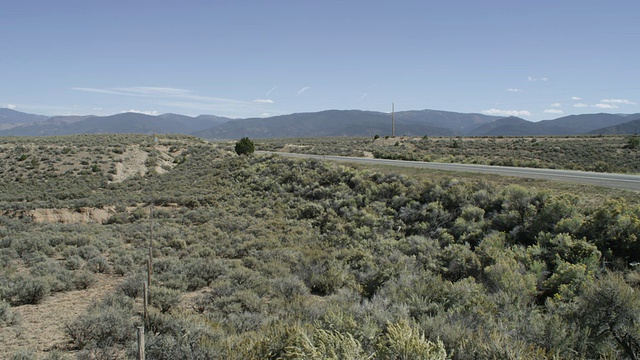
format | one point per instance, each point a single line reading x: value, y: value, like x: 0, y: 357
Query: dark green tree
x: 245, y: 146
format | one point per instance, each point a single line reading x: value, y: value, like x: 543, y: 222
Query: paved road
x: 617, y: 181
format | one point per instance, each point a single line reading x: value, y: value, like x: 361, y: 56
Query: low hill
x: 513, y: 126
x: 581, y: 124
x: 631, y: 127
x: 460, y: 123
x: 568, y: 125
x: 10, y: 118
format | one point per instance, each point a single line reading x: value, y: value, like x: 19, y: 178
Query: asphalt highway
x: 616, y: 181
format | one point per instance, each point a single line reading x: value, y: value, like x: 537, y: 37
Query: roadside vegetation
x: 267, y: 257
x: 617, y: 153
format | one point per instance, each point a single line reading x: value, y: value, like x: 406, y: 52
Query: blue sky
x: 533, y: 59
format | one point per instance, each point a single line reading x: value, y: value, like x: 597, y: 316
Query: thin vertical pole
x: 148, y: 278
x: 145, y: 294
x: 393, y: 120
x: 140, y: 342
x: 150, y: 261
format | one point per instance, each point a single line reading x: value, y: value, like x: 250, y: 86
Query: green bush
x: 245, y: 146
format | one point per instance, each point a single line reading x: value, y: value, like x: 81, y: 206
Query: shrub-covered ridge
x: 265, y: 257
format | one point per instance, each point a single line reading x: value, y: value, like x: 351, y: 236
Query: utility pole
x: 150, y: 260
x: 393, y: 120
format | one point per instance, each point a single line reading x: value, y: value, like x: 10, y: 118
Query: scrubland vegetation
x: 267, y: 257
x: 588, y: 153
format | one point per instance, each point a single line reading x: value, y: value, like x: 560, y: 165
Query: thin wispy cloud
x: 618, y: 101
x: 154, y: 92
x: 557, y: 105
x: 580, y: 105
x: 513, y: 90
x: 605, y: 106
x: 531, y: 78
x: 270, y: 91
x: 189, y: 101
x: 576, y: 98
x: 499, y: 112
x: 554, y: 111
x: 303, y: 90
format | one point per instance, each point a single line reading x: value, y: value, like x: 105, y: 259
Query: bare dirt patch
x: 132, y: 163
x: 42, y: 326
x: 71, y: 216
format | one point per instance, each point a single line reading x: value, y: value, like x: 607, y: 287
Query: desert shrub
x: 104, y: 325
x: 23, y: 355
x: 98, y: 264
x: 633, y: 142
x: 83, y: 279
x: 7, y: 316
x: 201, y: 272
x: 30, y: 290
x: 183, y: 337
x: 87, y: 252
x: 54, y: 355
x: 324, y: 275
x: 133, y: 285
x: 32, y: 245
x: 460, y: 262
x: 290, y: 287
x: 74, y: 262
x: 610, y: 309
x: 402, y: 341
x: 325, y: 344
x: 121, y: 262
x: 163, y: 298
x: 100, y: 353
x: 614, y: 228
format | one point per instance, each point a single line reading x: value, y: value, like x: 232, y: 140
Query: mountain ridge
x: 309, y: 124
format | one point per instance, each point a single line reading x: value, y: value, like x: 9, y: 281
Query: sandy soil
x: 41, y: 327
x: 69, y: 216
x: 133, y: 163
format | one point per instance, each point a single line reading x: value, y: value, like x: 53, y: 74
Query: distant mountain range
x: 315, y: 124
